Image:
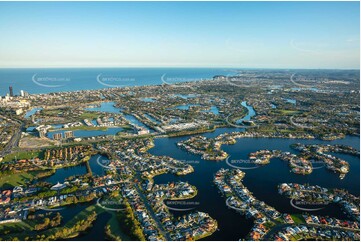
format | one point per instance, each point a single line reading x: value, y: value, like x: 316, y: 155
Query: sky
x: 180, y: 34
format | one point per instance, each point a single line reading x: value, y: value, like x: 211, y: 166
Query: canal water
x: 250, y: 113
x: 97, y: 231
x: 107, y: 107
x: 62, y: 173
x: 262, y: 181
x: 88, y: 133
x: 290, y: 100
x: 31, y: 112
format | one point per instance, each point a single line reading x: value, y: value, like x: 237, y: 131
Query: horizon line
x: 180, y: 67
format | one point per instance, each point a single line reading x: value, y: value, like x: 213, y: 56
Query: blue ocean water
x: 35, y: 80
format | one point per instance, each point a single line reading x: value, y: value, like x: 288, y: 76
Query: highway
x: 14, y: 141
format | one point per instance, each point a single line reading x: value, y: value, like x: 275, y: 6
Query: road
x: 14, y: 141
x: 151, y: 212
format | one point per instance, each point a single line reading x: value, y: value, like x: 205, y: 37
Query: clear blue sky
x: 185, y: 34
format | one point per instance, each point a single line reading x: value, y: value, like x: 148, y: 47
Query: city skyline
x: 306, y: 35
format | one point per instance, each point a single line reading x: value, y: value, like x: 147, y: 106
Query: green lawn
x: 29, y: 232
x: 115, y: 228
x: 16, y: 227
x: 80, y: 216
x: 12, y: 180
x: 298, y: 218
x: 287, y: 112
x: 23, y: 155
x: 22, y: 230
x: 89, y: 115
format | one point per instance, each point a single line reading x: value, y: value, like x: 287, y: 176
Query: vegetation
x: 298, y: 218
x: 25, y: 155
x: 78, y: 224
x: 47, y: 222
x: 89, y: 115
x: 16, y: 227
x: 129, y: 224
x: 11, y: 180
x: 113, y: 229
x: 84, y: 127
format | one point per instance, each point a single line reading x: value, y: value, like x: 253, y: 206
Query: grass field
x: 89, y: 115
x: 298, y: 218
x: 287, y: 112
x: 14, y: 227
x: 11, y: 180
x: 22, y: 230
x: 23, y: 155
x: 115, y: 228
x: 83, y: 215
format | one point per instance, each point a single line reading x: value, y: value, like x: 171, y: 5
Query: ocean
x: 36, y: 81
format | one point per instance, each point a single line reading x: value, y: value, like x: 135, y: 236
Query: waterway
x: 186, y: 106
x: 250, y: 114
x: 107, y: 107
x: 88, y: 133
x: 262, y: 181
x: 213, y: 110
x: 148, y: 100
x: 292, y: 101
x: 31, y: 112
x: 62, y: 173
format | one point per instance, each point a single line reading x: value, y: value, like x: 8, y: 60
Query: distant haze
x: 180, y: 34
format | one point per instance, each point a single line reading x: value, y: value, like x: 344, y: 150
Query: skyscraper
x: 11, y: 92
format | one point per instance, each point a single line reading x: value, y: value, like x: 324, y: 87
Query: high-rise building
x: 57, y: 136
x: 68, y: 134
x: 22, y: 93
x: 11, y: 92
x: 42, y: 133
